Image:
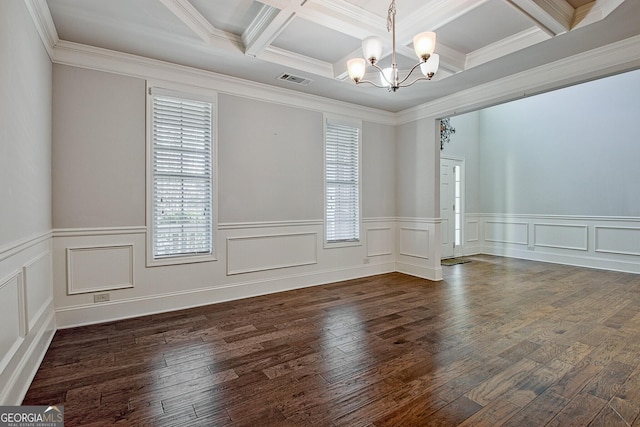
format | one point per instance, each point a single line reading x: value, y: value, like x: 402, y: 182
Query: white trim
x: 16, y: 388
x: 83, y: 56
x: 86, y: 314
x: 98, y: 231
x: 558, y: 217
x: 616, y: 57
x: 421, y: 271
x: 41, y: 16
x: 22, y: 245
x: 585, y: 247
x: 269, y: 224
x: 70, y: 278
x: 231, y: 272
x: 595, y: 234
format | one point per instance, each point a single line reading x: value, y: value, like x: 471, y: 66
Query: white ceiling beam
x: 522, y: 40
x: 552, y: 16
x: 268, y: 25
x: 297, y: 61
x: 344, y: 17
x: 594, y: 12
x: 197, y: 23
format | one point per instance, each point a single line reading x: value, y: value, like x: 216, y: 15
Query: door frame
x: 458, y: 250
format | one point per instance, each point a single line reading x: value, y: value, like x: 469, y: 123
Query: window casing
x: 181, y: 187
x: 342, y: 182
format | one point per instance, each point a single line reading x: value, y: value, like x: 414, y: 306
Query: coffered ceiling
x: 478, y: 40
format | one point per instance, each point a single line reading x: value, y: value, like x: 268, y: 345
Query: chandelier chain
x: 391, y: 14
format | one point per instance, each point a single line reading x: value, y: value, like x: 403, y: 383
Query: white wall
x: 417, y: 199
x: 573, y: 151
x: 558, y: 175
x: 26, y: 306
x: 270, y: 203
x: 99, y: 149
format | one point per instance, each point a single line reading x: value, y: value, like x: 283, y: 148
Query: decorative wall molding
x: 250, y: 254
x: 98, y: 231
x: 22, y: 245
x: 610, y: 243
x: 268, y: 224
x: 414, y: 242
x: 506, y: 232
x: 37, y: 285
x: 617, y: 240
x: 562, y: 236
x: 380, y: 241
x: 27, y: 321
x: 13, y: 317
x: 99, y: 268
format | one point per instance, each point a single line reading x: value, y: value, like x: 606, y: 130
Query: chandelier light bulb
x: 424, y: 44
x: 430, y: 67
x: 372, y: 49
x: 356, y: 68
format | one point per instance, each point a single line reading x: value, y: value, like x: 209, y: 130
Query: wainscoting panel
x: 269, y: 252
x: 414, y: 242
x: 507, y: 232
x: 379, y: 241
x: 472, y: 231
x: 99, y: 268
x: 12, y: 318
x: 37, y: 285
x: 445, y: 232
x: 610, y: 243
x: 617, y: 240
x: 561, y: 236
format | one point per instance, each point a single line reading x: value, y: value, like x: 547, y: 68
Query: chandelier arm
x: 409, y: 75
x: 383, y: 76
x: 416, y: 80
x: 371, y: 83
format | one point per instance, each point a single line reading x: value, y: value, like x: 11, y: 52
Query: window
x: 342, y: 182
x: 180, y: 164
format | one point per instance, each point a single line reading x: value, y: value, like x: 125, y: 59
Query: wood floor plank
x: 498, y: 342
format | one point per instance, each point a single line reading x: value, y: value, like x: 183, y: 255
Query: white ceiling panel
x: 488, y: 23
x: 233, y: 16
x: 311, y: 39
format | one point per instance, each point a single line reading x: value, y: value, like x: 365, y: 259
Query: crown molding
x: 41, y: 17
x: 83, y: 56
x: 600, y: 62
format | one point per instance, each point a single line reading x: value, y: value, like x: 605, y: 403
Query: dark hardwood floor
x: 499, y: 342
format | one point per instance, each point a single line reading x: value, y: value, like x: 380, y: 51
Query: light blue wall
x: 574, y: 151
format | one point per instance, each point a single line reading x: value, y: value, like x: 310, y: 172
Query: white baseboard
x: 554, y: 258
x: 429, y: 273
x: 86, y: 314
x: 27, y: 361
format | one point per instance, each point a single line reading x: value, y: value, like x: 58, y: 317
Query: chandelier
x: 423, y: 44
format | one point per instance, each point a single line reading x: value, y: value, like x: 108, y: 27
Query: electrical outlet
x: 100, y: 297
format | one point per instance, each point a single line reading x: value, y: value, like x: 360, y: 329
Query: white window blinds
x: 182, y: 184
x: 342, y: 190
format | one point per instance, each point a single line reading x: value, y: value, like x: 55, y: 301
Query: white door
x: 451, y: 203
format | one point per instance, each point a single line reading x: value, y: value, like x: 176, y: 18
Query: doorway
x: 451, y: 206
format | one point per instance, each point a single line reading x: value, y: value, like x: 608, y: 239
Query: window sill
x: 178, y: 260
